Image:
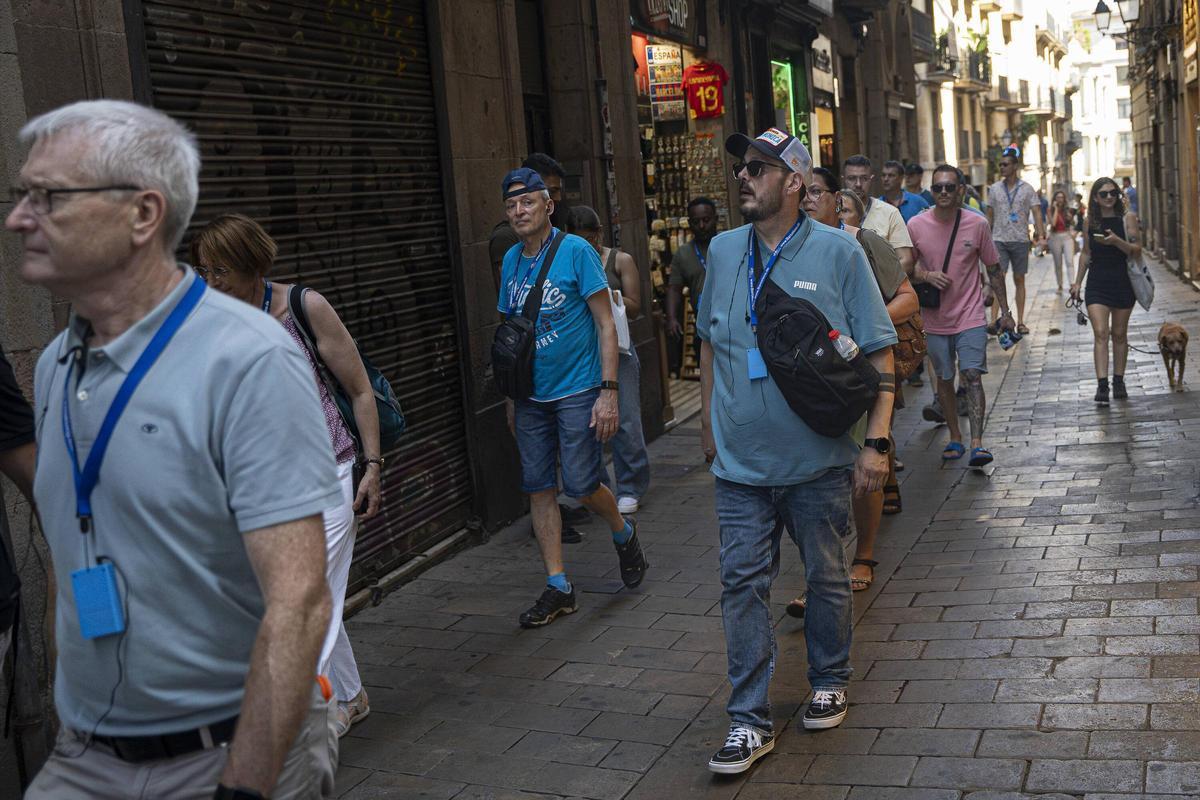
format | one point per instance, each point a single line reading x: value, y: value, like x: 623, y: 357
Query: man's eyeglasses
x: 753, y: 168
x: 41, y: 199
x: 943, y: 188
x: 211, y: 272
x: 816, y: 193
x: 1106, y: 193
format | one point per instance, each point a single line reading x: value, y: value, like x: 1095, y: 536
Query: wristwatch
x: 882, y: 444
x: 609, y: 385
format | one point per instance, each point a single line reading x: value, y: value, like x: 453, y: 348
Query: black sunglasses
x: 1108, y: 193
x: 753, y: 168
x: 944, y: 188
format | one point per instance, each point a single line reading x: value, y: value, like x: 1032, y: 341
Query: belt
x: 136, y: 749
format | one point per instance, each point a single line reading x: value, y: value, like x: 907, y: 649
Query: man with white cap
x: 772, y: 470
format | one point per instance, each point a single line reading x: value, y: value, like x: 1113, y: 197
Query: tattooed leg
x: 976, y: 404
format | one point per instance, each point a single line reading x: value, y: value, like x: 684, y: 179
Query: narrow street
x: 1032, y: 630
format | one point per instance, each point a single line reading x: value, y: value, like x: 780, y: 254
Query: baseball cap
x: 1012, y: 151
x: 530, y: 180
x: 777, y: 144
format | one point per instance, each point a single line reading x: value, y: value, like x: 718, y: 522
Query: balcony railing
x: 1023, y: 94
x: 923, y: 44
x: 976, y: 73
x: 944, y: 64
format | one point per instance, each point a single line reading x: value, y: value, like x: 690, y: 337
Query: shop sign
x: 822, y: 64
x: 678, y: 20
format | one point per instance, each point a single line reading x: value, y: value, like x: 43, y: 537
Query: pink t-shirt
x: 962, y: 303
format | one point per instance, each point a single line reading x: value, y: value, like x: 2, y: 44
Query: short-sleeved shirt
x: 567, y: 361
x: 760, y: 440
x: 927, y: 196
x: 885, y: 219
x: 1010, y: 220
x: 223, y: 436
x: 962, y: 303
x: 686, y: 270
x: 1131, y: 198
x: 16, y: 416
x: 910, y: 204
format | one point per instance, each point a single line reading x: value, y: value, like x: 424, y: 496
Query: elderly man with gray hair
x: 182, y: 470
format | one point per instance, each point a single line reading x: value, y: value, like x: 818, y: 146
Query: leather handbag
x: 928, y: 295
x: 910, y: 350
x: 515, y: 342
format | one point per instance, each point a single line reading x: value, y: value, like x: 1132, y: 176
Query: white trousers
x: 337, y: 657
x: 1062, y: 247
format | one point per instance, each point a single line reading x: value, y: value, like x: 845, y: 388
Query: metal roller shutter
x: 317, y: 119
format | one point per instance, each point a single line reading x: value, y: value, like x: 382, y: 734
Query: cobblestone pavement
x: 1031, y: 632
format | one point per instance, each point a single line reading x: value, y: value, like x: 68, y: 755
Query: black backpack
x: 829, y: 393
x: 514, y: 345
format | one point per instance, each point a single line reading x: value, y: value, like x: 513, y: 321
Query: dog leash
x: 1083, y: 319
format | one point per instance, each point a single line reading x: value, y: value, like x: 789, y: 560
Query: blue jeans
x: 554, y: 434
x: 631, y: 462
x: 752, y: 518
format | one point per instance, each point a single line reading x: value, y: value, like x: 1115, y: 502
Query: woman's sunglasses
x: 1106, y: 193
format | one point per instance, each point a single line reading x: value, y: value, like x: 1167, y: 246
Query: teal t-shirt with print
x: 760, y: 440
x: 567, y: 361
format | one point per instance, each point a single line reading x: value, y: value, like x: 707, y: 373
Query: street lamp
x: 1103, y: 16
x: 1130, y: 10
x: 1006, y: 138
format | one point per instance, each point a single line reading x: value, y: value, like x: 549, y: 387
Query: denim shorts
x: 1015, y: 254
x: 554, y: 434
x: 969, y: 347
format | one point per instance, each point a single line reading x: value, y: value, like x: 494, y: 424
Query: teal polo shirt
x: 760, y: 440
x: 224, y: 436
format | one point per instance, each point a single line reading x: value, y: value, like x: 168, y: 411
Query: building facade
x: 1099, y: 66
x: 1166, y: 128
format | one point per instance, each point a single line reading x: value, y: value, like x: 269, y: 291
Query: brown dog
x: 1173, y: 342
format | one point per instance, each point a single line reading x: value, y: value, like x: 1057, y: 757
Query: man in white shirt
x: 883, y: 218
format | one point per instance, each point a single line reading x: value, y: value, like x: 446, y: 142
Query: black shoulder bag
x: 514, y: 344
x: 928, y: 295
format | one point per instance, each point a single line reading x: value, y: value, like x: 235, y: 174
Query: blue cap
x: 530, y: 180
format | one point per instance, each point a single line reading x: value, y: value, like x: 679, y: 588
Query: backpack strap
x: 295, y: 305
x: 533, y: 300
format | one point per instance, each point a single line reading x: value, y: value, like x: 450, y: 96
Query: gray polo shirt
x: 225, y: 435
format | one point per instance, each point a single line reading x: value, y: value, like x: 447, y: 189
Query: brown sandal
x: 862, y: 584
x: 891, y: 499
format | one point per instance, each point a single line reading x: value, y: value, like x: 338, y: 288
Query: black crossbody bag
x: 515, y: 342
x: 928, y: 295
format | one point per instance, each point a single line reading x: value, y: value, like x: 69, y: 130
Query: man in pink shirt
x: 949, y: 246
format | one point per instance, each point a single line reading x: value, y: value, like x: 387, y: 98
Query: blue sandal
x: 980, y: 457
x: 953, y: 451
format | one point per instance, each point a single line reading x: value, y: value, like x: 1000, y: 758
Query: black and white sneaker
x: 633, y: 562
x: 827, y: 709
x: 743, y: 746
x: 548, y: 607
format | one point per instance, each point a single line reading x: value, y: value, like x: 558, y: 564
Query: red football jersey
x: 704, y: 83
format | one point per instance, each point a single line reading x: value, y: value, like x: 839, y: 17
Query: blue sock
x: 559, y: 581
x: 622, y: 536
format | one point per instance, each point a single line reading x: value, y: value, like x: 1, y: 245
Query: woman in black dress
x: 1110, y: 238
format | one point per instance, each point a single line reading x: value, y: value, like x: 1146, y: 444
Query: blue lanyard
x: 87, y: 478
x: 267, y: 297
x: 514, y: 289
x: 1009, y: 195
x: 753, y: 255
x: 700, y: 256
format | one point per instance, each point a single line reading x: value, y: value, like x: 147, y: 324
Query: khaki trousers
x: 79, y: 771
